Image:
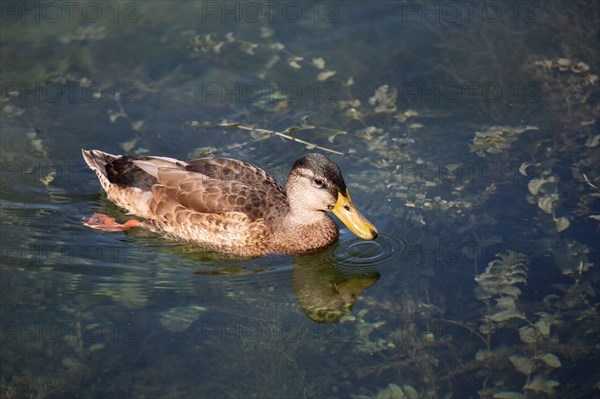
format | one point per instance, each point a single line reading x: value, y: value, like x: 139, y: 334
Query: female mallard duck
x: 228, y: 205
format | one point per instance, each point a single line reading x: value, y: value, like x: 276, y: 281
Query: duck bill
x: 345, y: 210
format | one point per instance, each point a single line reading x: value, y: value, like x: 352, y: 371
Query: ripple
x: 387, y: 248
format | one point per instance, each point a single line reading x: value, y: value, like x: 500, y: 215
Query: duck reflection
x: 324, y: 290
x: 324, y: 286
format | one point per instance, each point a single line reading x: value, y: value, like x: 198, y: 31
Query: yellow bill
x: 345, y: 210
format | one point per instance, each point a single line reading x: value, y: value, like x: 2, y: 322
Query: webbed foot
x: 100, y: 221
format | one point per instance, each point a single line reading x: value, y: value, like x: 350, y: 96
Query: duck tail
x: 97, y: 161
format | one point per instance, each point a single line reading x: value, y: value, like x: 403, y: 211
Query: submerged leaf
x: 543, y: 327
x: 323, y: 76
x: 248, y: 48
x: 384, y: 99
x: 523, y: 168
x: 410, y: 392
x: 507, y: 315
x: 540, y: 384
x: 522, y: 364
x: 550, y: 359
x: 593, y: 141
x: 318, y: 63
x: 562, y: 223
x: 292, y: 129
x: 528, y: 335
x: 546, y: 203
x: 509, y: 290
x: 506, y: 303
x: 534, y: 185
x: 127, y: 146
x: 482, y: 355
x: 392, y: 391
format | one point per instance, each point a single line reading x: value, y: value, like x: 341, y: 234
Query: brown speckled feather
x: 211, y: 185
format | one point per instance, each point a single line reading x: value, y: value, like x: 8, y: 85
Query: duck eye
x: 319, y: 182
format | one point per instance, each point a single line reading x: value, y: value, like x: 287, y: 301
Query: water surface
x: 466, y: 132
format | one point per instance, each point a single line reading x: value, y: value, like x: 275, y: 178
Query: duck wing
x: 225, y: 169
x: 216, y: 185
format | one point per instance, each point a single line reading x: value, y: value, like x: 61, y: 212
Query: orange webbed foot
x: 107, y: 224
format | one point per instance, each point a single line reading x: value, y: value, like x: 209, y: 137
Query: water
x: 89, y: 314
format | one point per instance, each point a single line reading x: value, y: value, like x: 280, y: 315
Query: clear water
x: 92, y: 315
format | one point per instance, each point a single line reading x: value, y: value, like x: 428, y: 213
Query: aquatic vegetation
x: 366, y: 344
x: 180, y: 318
x: 496, y: 139
x: 498, y: 283
x: 384, y: 99
x: 274, y: 51
x: 545, y: 192
x: 261, y: 134
x: 538, y: 334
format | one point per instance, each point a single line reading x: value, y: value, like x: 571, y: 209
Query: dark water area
x: 467, y: 132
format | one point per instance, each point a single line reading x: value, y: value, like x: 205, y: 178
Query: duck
x: 227, y: 205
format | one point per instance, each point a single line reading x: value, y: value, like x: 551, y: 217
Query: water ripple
x: 355, y: 251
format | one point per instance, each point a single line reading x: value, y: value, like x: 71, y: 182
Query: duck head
x: 315, y: 185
